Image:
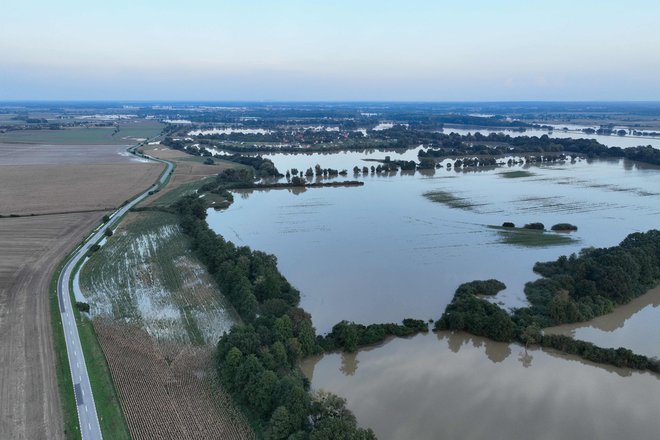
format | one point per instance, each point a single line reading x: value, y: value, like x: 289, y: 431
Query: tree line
x: 257, y: 360
x: 575, y: 288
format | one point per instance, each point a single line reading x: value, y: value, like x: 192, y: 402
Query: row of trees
x: 496, y: 144
x: 348, y: 336
x: 257, y: 360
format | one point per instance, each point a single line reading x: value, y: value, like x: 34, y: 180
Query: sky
x: 334, y: 50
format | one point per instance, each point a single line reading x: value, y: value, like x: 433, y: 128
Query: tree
x: 108, y: 232
x: 281, y: 425
x: 283, y: 328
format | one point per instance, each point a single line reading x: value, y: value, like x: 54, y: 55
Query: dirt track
x: 30, y: 249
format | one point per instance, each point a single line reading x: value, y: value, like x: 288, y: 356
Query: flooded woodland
x: 387, y: 251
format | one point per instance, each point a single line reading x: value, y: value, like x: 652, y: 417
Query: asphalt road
x: 87, y: 416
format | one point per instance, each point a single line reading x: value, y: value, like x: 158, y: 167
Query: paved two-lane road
x: 87, y: 416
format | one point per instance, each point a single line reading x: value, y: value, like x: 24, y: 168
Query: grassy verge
x: 62, y: 369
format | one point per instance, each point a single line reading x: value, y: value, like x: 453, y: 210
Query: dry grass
x: 167, y: 391
x: 42, y: 189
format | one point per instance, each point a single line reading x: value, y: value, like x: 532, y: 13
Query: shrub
x: 564, y: 227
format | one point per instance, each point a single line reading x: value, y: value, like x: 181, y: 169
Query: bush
x: 108, y: 232
x: 537, y: 226
x: 508, y: 225
x: 82, y: 306
x: 564, y: 227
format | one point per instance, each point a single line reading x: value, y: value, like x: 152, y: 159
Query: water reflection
x: 458, y: 386
x: 634, y: 325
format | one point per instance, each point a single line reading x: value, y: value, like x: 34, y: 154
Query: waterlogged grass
x: 532, y: 238
x: 516, y: 174
x: 449, y: 199
x: 146, y: 274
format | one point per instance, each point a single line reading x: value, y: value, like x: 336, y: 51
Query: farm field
x: 31, y: 249
x: 158, y: 316
x: 130, y: 132
x: 167, y: 390
x: 146, y: 275
x: 44, y: 189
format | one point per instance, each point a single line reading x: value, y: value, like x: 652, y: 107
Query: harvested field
x: 45, y: 154
x: 166, y: 391
x: 31, y: 249
x: 43, y: 189
x: 188, y: 175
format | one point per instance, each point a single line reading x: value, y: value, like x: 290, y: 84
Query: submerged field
x: 146, y: 275
x: 400, y: 245
x: 158, y: 316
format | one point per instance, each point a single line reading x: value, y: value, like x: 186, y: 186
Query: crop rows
x: 167, y: 392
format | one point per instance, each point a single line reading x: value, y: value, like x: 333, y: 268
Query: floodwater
x: 458, y: 386
x: 384, y: 252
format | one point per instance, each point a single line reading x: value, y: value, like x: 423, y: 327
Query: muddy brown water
x: 457, y: 386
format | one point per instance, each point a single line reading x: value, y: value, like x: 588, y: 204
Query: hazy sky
x: 330, y: 50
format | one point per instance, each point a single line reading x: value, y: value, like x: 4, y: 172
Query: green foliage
x: 619, y: 357
x: 488, y: 287
x: 348, y: 336
x: 564, y: 227
x: 82, y: 306
x: 579, y: 288
x: 475, y: 315
x: 575, y: 288
x: 108, y: 232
